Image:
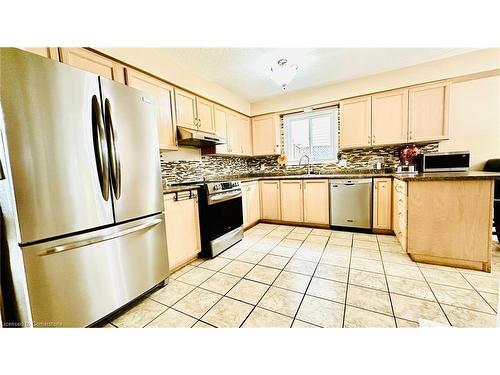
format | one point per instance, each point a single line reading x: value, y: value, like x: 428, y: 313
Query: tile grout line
x: 434, y: 294
x: 347, y: 281
x: 477, y: 291
x: 310, y: 281
x: 387, y: 283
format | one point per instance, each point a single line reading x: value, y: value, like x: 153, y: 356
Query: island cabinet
x: 270, y: 200
x: 251, y: 203
x: 382, y: 204
x: 292, y: 203
x: 92, y: 62
x: 183, y: 227
x: 316, y: 202
x: 163, y: 94
x: 266, y: 132
x: 449, y: 222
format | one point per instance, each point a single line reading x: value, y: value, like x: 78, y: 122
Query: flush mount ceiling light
x: 282, y: 73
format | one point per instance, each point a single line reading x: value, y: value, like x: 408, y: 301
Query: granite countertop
x: 435, y: 176
x: 441, y: 176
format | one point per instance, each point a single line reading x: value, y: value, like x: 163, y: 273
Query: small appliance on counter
x: 455, y: 161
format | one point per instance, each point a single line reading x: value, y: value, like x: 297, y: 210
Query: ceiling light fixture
x: 282, y: 73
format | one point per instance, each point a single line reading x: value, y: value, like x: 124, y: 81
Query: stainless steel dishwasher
x: 351, y: 203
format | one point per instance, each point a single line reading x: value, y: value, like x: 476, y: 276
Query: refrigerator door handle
x: 116, y: 172
x: 93, y: 240
x: 100, y: 147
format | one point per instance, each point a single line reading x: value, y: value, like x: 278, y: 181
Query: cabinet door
x: 245, y: 192
x: 185, y: 109
x: 163, y: 94
x: 355, y: 122
x: 316, y: 202
x: 382, y: 203
x: 266, y: 135
x: 205, y: 115
x: 253, y: 202
x: 246, y: 136
x: 49, y: 52
x: 390, y: 117
x: 234, y: 143
x: 92, y: 62
x: 220, y: 117
x: 428, y: 112
x: 291, y: 200
x: 270, y: 200
x: 183, y: 228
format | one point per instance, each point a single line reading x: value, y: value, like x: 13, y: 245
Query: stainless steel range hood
x: 195, y: 138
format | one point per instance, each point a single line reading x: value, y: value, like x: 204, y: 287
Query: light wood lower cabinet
x: 163, y: 94
x: 92, y: 62
x: 270, y: 200
x: 292, y: 202
x: 449, y: 222
x: 400, y: 212
x: 266, y: 135
x: 251, y: 203
x: 382, y: 203
x: 316, y: 202
x: 183, y: 227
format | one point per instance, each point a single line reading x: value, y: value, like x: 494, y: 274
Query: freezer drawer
x: 75, y: 287
x: 351, y: 203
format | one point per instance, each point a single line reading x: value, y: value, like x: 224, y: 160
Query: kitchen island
x: 445, y: 218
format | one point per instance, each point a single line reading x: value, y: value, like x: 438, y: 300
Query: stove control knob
x: 235, y: 184
x: 216, y: 187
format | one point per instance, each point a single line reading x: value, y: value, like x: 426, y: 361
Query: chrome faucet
x: 308, y: 163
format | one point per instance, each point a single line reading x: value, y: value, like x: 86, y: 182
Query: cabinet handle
x: 374, y: 140
x: 369, y: 139
x: 410, y: 135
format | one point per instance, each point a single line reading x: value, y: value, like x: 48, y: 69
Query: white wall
x: 475, y: 120
x: 468, y: 63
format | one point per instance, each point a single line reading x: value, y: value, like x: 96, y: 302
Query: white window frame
x: 333, y: 112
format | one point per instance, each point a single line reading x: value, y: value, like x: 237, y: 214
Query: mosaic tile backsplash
x: 212, y: 167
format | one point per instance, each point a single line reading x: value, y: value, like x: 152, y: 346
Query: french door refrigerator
x: 83, y: 230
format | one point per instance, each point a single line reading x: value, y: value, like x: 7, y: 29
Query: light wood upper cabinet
x: 316, y: 202
x: 93, y: 62
x: 390, y: 117
x: 251, y: 203
x: 270, y: 200
x: 220, y: 118
x: 292, y: 208
x: 185, y: 109
x: 183, y: 227
x: 163, y: 94
x: 246, y: 136
x: 355, y: 122
x: 205, y: 115
x: 428, y: 112
x: 382, y: 203
x: 266, y: 135
x: 233, y: 140
x: 49, y: 52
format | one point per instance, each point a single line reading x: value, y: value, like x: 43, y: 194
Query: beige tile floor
x: 285, y: 276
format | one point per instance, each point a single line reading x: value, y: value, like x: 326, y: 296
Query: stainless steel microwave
x: 444, y: 161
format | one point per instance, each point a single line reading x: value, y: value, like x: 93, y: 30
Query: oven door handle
x: 223, y: 197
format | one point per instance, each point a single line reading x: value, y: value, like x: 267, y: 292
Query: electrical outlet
x: 342, y: 163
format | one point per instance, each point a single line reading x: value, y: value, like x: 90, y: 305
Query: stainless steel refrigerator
x: 83, y: 230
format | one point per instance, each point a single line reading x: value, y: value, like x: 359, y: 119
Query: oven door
x: 225, y: 213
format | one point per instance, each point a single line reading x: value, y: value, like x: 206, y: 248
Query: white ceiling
x: 245, y: 71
